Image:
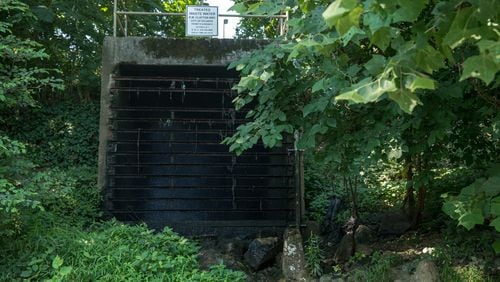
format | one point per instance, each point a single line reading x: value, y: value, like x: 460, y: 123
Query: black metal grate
x: 166, y: 166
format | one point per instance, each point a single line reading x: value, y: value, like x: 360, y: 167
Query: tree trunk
x: 409, y: 199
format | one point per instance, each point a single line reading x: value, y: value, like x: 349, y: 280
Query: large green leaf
x: 367, y: 91
x: 375, y: 65
x: 481, y: 66
x: 382, y: 38
x: 408, y: 10
x: 406, y: 100
x: 490, y: 47
x: 496, y: 246
x: 338, y: 9
x: 414, y: 82
x: 470, y: 219
x: 496, y: 223
x: 345, y: 23
x: 429, y: 59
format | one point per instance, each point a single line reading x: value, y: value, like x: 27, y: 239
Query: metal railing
x: 124, y: 26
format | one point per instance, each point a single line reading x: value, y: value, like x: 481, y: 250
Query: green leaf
x: 490, y: 47
x: 429, y: 59
x: 65, y: 270
x: 450, y: 209
x: 337, y: 9
x: 57, y: 262
x: 495, y: 209
x: 26, y: 273
x: 496, y: 223
x: 239, y: 8
x: 458, y: 32
x: 496, y: 246
x: 354, y: 34
x: 406, y: 100
x: 409, y: 10
x: 375, y: 65
x: 265, y: 76
x: 43, y: 13
x: 414, y: 82
x: 381, y: 38
x: 491, y: 187
x: 482, y: 66
x: 470, y: 219
x: 345, y: 23
x: 318, y: 85
x: 367, y: 91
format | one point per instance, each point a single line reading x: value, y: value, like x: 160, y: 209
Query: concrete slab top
x: 171, y: 51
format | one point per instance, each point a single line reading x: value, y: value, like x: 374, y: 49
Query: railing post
x: 115, y: 5
x: 126, y: 25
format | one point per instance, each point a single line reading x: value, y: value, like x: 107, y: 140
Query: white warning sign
x: 202, y: 20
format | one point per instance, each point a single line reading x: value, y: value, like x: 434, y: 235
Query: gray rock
x: 234, y: 247
x: 261, y: 251
x: 330, y: 277
x: 311, y: 228
x: 365, y: 235
x: 344, y: 249
x: 427, y: 271
x: 293, y: 262
x: 209, y: 257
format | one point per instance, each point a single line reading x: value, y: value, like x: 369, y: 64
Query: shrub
x: 110, y: 251
x: 63, y: 134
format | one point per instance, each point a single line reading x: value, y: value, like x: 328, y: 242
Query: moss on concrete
x: 211, y: 50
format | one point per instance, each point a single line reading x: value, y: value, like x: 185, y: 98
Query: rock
x: 293, y: 262
x: 209, y: 257
x: 331, y: 278
x: 312, y: 228
x: 233, y: 247
x: 392, y: 223
x: 364, y: 235
x: 400, y: 275
x: 261, y: 251
x: 427, y: 271
x: 344, y: 249
x: 279, y: 259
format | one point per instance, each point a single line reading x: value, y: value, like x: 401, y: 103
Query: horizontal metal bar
x: 170, y: 79
x: 237, y: 165
x: 167, y: 90
x: 228, y: 154
x: 193, y: 175
x: 191, y: 120
x: 177, y: 109
x: 184, y: 14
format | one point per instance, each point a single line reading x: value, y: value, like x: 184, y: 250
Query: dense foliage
x: 72, y: 33
x: 111, y: 251
x: 365, y: 84
x: 50, y: 225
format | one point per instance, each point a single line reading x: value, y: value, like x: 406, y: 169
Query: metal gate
x: 165, y: 165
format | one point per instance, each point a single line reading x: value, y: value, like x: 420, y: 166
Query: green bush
x: 63, y: 134
x: 14, y: 196
x: 72, y: 193
x: 110, y: 251
x: 477, y: 204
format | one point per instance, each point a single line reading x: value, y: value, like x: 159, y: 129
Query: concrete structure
x: 165, y: 107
